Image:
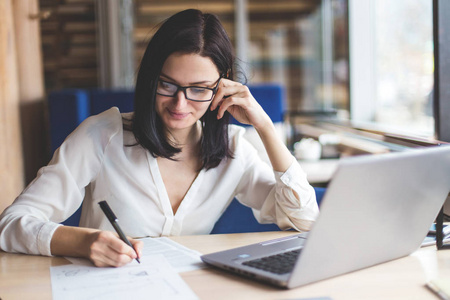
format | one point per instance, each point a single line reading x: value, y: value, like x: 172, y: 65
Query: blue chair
x: 67, y: 109
x: 102, y: 100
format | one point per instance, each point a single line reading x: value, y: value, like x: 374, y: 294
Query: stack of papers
x: 155, y: 278
x: 181, y: 258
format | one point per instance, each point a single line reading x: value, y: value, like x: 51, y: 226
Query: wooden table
x: 28, y: 277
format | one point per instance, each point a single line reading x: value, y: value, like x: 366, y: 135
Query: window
x: 392, y: 65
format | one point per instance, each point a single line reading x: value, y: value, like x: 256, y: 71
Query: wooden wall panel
x: 11, y: 165
x: 30, y: 86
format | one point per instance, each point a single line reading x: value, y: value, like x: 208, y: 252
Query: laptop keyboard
x: 279, y: 263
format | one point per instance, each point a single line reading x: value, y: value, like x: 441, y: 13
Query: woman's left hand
x: 236, y: 98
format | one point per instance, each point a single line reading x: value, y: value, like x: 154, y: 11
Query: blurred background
x: 358, y: 76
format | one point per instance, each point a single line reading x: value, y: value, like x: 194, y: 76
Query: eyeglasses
x: 193, y: 93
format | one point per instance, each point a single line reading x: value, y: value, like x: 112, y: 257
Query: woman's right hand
x: 107, y: 249
x: 103, y: 248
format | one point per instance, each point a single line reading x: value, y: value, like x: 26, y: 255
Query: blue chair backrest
x: 67, y: 109
x: 102, y: 100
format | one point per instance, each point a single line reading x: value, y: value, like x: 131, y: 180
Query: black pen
x: 113, y: 219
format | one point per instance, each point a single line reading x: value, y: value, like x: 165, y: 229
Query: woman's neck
x: 188, y: 140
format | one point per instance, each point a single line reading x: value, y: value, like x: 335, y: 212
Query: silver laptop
x: 376, y: 209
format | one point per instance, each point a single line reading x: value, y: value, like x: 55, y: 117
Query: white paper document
x: 181, y: 258
x: 154, y: 278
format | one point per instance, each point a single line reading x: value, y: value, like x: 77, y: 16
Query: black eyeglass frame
x: 184, y: 88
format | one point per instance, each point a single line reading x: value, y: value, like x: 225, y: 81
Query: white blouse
x: 96, y: 162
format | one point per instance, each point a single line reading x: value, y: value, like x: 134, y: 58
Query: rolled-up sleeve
x: 295, y: 202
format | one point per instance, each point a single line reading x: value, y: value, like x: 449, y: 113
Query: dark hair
x: 189, y: 31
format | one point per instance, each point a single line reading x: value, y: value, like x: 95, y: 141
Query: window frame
x: 441, y: 36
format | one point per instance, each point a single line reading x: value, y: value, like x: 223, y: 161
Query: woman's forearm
x: 103, y: 248
x: 71, y: 241
x: 279, y: 155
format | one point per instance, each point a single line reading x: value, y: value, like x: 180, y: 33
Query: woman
x: 171, y: 167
